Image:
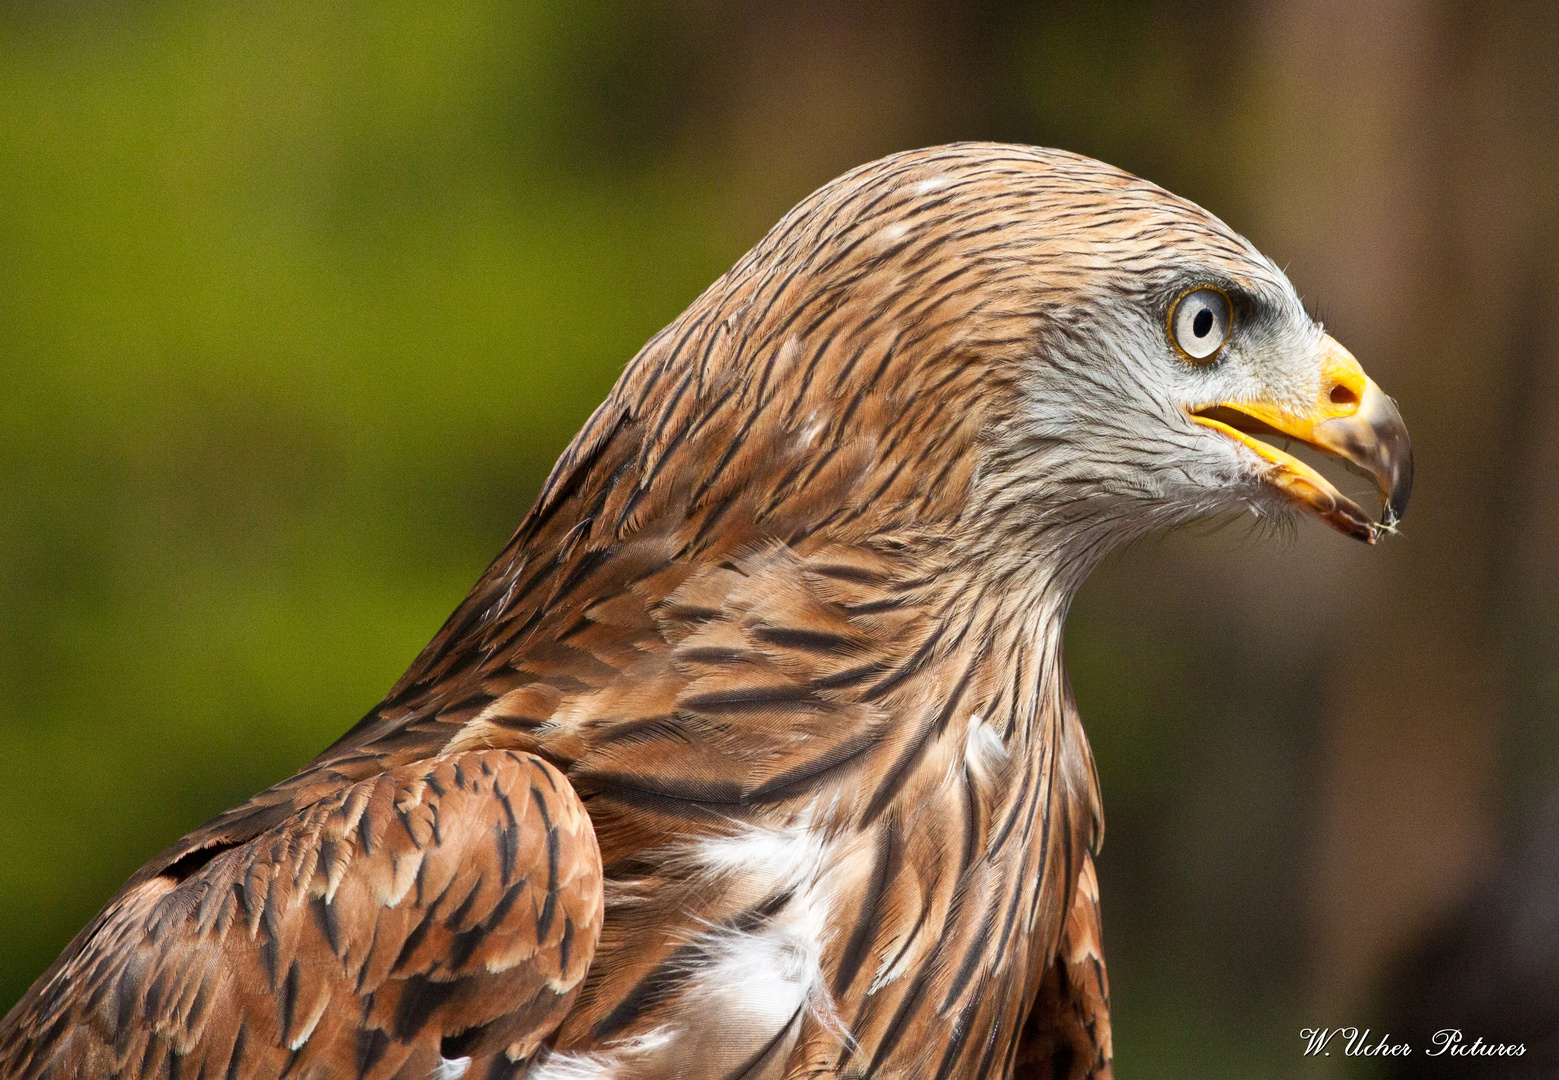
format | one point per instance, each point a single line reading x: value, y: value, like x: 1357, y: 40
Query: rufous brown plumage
x: 752, y: 754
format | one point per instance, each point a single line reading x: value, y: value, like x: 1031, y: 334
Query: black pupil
x: 1202, y: 324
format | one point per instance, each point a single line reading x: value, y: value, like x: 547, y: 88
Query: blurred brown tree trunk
x: 1400, y: 192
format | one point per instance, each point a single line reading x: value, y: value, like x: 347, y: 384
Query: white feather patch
x: 450, y: 1068
x: 623, y: 1058
x: 889, y: 235
x: 747, y: 986
x: 762, y: 978
x: 984, y: 753
x: 768, y: 858
x: 759, y: 980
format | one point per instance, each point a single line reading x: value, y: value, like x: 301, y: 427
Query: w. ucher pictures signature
x: 1355, y: 1042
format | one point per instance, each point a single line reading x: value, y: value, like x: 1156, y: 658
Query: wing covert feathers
x: 444, y: 909
x: 1067, y: 1035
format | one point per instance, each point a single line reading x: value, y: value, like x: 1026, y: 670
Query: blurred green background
x: 299, y: 301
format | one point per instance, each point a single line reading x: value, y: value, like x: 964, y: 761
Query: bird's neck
x: 1005, y: 633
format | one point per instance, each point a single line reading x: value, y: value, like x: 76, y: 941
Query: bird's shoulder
x: 738, y: 680
x: 447, y: 908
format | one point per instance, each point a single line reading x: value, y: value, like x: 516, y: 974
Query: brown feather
x: 449, y: 907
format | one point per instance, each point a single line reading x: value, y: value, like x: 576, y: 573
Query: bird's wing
x: 1067, y: 1035
x: 442, y: 910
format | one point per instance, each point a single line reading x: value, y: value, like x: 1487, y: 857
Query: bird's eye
x: 1199, y: 322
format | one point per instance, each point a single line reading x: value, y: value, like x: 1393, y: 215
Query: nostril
x: 1344, y: 395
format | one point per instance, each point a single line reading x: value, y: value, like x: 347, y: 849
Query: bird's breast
x: 864, y: 943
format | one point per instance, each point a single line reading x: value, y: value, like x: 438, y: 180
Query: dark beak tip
x: 1401, y: 483
x: 1386, y: 450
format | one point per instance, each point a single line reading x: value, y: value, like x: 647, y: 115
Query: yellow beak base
x: 1352, y: 419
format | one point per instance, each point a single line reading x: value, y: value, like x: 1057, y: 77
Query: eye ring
x: 1200, y: 322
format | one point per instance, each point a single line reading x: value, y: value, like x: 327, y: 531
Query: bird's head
x: 1025, y: 350
x: 1168, y: 351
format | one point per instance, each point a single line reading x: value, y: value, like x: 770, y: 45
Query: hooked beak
x: 1353, y: 419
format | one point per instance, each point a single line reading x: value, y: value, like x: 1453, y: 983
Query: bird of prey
x: 752, y: 754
